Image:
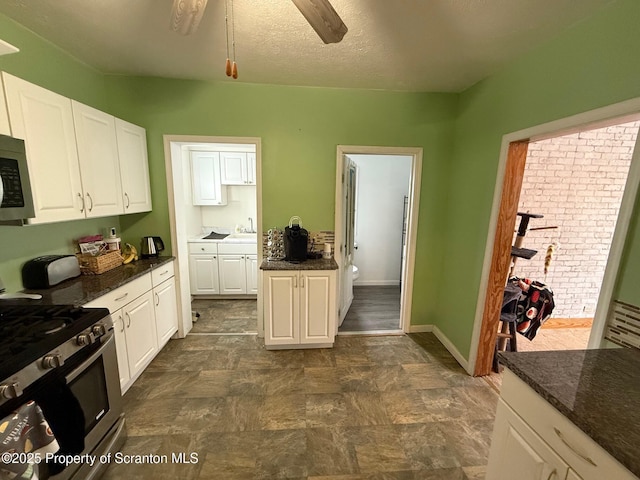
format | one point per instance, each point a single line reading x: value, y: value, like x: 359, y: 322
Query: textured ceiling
x: 411, y: 45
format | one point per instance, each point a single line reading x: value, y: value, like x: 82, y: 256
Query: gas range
x: 61, y: 361
x: 34, y: 339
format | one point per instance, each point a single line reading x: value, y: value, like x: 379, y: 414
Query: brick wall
x: 576, y: 182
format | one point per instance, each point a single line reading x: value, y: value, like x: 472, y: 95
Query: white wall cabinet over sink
x: 238, y: 168
x: 79, y: 158
x: 205, y: 179
x: 145, y: 316
x: 299, y: 308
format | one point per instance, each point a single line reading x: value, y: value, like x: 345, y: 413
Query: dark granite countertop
x: 598, y: 390
x: 311, y: 264
x: 85, y: 288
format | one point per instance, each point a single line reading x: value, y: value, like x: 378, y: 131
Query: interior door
x: 349, y: 178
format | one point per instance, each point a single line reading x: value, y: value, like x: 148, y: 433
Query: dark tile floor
x: 225, y: 316
x: 373, y: 308
x: 373, y: 407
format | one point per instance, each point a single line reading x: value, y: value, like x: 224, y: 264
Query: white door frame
x: 617, y: 113
x: 412, y: 233
x: 175, y: 194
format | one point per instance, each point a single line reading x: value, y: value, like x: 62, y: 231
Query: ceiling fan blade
x: 186, y: 15
x: 323, y: 18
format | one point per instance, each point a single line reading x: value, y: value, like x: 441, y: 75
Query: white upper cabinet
x: 99, y: 165
x: 82, y: 162
x: 44, y: 120
x: 205, y: 179
x: 238, y: 168
x: 134, y: 167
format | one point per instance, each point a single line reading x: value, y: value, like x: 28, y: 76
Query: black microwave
x: 16, y: 200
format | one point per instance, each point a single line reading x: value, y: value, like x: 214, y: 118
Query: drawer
x: 208, y: 247
x: 162, y: 273
x: 581, y: 452
x: 121, y: 296
x: 238, y: 248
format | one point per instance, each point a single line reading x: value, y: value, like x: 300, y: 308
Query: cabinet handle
x: 164, y: 273
x: 214, y: 257
x: 128, y: 318
x: 127, y: 197
x: 581, y: 455
x: 552, y: 474
x: 91, y: 200
x: 122, y: 297
x: 81, y: 198
x: 295, y: 282
x: 122, y: 320
x: 302, y: 281
x: 157, y: 300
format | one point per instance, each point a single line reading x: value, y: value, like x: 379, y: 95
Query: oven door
x: 96, y: 385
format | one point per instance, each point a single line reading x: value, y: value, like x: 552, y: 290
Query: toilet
x: 356, y: 273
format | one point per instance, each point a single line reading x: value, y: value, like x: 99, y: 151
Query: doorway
x: 576, y: 181
x: 377, y: 194
x: 187, y: 221
x: 504, y: 218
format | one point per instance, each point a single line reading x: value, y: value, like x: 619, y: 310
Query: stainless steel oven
x: 61, y: 359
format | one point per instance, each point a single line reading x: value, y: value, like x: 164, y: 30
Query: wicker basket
x: 90, y: 265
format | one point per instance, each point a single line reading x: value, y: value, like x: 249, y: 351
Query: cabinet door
x: 166, y: 310
x: 99, y: 165
x: 252, y: 273
x: 317, y: 305
x: 518, y: 452
x: 140, y: 331
x: 233, y: 168
x: 203, y: 274
x: 281, y: 305
x: 121, y: 348
x: 251, y: 168
x: 233, y: 274
x: 205, y: 179
x: 45, y: 121
x: 134, y: 167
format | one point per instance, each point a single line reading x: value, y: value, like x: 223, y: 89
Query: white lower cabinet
x: 223, y: 268
x: 140, y: 333
x: 534, y: 441
x: 299, y: 308
x: 145, y: 316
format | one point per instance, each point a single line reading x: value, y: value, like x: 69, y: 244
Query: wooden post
x: 500, y: 260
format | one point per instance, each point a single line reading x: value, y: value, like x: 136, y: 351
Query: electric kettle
x: 151, y: 246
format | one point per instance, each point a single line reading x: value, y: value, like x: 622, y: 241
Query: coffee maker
x: 151, y: 247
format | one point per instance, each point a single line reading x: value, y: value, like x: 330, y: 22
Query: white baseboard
x: 420, y: 328
x: 444, y: 341
x: 376, y: 283
x: 464, y: 363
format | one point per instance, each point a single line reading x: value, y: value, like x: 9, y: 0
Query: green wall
x: 300, y: 129
x: 594, y: 64
x: 44, y: 64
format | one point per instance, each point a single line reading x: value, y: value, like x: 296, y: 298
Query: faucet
x: 251, y: 230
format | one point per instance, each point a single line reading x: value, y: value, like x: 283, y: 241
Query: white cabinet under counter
x: 567, y: 415
x: 300, y: 304
x: 223, y: 268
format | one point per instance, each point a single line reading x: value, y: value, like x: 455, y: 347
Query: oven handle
x: 107, y: 339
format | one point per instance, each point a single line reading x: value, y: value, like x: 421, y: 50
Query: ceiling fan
x: 186, y: 16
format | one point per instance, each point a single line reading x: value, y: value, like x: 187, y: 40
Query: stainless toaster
x: 49, y: 270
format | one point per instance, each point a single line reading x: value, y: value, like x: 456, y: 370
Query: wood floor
x: 373, y: 308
